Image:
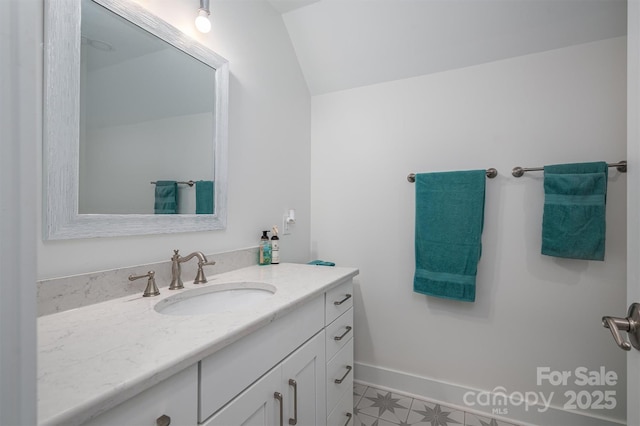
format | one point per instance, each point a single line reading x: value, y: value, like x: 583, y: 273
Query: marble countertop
x: 93, y: 358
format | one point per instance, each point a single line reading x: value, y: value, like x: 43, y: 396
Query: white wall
x: 269, y: 128
x: 565, y: 105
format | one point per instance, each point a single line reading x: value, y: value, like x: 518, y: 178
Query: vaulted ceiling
x: 342, y: 44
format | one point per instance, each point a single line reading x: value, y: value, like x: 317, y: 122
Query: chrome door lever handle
x: 630, y: 324
x: 615, y: 325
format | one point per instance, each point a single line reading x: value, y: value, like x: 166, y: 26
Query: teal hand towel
x: 573, y: 222
x: 321, y: 263
x: 166, y: 201
x: 449, y: 222
x: 204, y: 197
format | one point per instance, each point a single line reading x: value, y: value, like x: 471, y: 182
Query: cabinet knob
x: 340, y: 380
x: 343, y: 334
x: 294, y: 420
x: 340, y: 302
x: 349, y: 415
x: 278, y: 396
x: 163, y: 420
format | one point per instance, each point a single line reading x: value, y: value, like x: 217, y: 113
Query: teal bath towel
x: 449, y: 222
x: 166, y: 201
x: 573, y: 222
x: 321, y: 263
x: 204, y: 197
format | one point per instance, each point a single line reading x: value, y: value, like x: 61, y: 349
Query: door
x: 259, y: 405
x: 633, y: 198
x: 20, y: 56
x: 303, y: 374
x: 291, y: 393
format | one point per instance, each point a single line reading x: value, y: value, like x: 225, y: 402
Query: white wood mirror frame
x: 61, y: 121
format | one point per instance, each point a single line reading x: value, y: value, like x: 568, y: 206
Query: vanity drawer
x: 340, y: 369
x: 338, y: 301
x: 176, y: 398
x: 339, y: 333
x: 229, y: 371
x: 342, y: 415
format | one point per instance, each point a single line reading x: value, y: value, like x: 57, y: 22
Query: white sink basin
x: 216, y: 298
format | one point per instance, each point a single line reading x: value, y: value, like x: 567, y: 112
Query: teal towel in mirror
x: 204, y: 197
x: 449, y: 222
x: 166, y: 201
x: 573, y: 222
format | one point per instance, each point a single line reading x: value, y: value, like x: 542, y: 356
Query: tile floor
x: 376, y: 407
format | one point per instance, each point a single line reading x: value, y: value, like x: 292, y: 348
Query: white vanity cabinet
x: 317, y: 378
x: 339, y: 354
x: 173, y: 401
x: 292, y: 393
x: 290, y: 362
x: 228, y: 372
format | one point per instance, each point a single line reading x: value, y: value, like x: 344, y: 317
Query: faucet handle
x: 200, y: 277
x: 152, y: 289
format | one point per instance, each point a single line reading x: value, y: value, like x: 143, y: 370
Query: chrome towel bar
x: 519, y: 171
x: 491, y: 173
x: 190, y: 183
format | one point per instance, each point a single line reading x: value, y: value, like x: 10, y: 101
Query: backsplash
x: 62, y: 294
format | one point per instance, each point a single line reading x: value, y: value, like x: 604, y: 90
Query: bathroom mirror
x: 129, y: 101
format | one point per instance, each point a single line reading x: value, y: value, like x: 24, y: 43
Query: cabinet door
x: 303, y: 375
x: 256, y: 406
x: 240, y: 364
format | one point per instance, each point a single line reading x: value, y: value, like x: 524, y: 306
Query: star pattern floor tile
x: 377, y: 407
x: 384, y: 405
x: 475, y: 420
x: 425, y: 413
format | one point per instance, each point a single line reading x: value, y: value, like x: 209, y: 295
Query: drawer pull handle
x: 343, y: 334
x: 340, y: 380
x: 294, y: 420
x: 349, y: 415
x: 278, y: 396
x: 340, y: 302
x: 163, y: 420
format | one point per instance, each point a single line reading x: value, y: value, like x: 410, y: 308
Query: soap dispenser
x: 264, y: 249
x: 275, y: 246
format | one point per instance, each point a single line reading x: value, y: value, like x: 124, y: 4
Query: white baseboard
x: 453, y: 395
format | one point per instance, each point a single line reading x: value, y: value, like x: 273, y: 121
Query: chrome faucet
x: 176, y: 269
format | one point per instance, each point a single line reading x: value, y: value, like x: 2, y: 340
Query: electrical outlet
x: 286, y: 227
x: 288, y: 221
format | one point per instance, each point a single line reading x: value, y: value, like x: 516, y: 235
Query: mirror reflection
x: 146, y: 121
